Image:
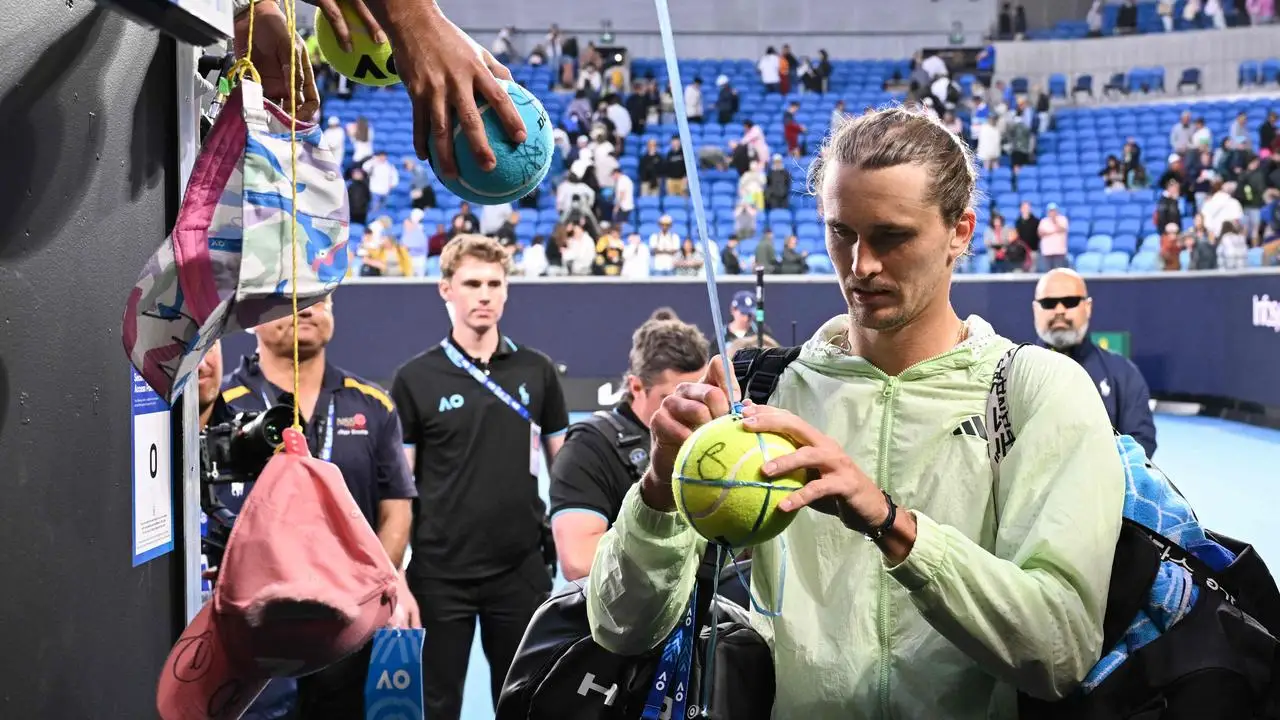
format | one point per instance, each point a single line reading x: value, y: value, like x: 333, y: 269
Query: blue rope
x: 695, y: 189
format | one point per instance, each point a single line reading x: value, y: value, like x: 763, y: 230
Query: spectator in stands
x: 989, y: 144
x: 1127, y: 18
x: 1170, y: 247
x: 766, y: 253
x: 1053, y: 238
x: 729, y: 260
x: 1062, y: 311
x: 1202, y: 136
x: 493, y: 217
x: 576, y: 119
x: 335, y: 138
x: 384, y: 256
x: 1180, y: 137
x: 421, y: 194
x: 1093, y: 19
x: 414, y: 239
x: 1233, y: 248
x: 579, y: 252
x: 383, y: 178
x: 457, y: 226
x: 361, y: 134
x: 470, y: 223
x: 644, y: 95
x: 1020, y: 140
x: 792, y: 131
x: 664, y: 245
x: 609, y: 251
x: 505, y: 233
x: 650, y: 169
x: 1019, y: 22
x: 532, y: 261
x: 1113, y: 175
x: 1250, y: 190
x: 1267, y: 133
x: 689, y: 260
x: 744, y: 220
x: 726, y: 100
x: 1201, y: 247
x: 787, y: 69
x: 807, y: 76
x: 741, y: 156
x: 1168, y: 207
x: 358, y: 196
x: 1221, y: 207
x: 1028, y: 227
x: 437, y: 241
x: 1164, y: 8
x: 1004, y: 23
x: 504, y: 47
x: 589, y: 81
x: 838, y: 114
x: 793, y: 261
x: 1217, y: 15
x: 753, y: 137
x: 1201, y: 169
x: 674, y: 171
x: 1261, y: 12
x: 693, y: 100
x: 993, y: 240
x: 1130, y: 156
x: 619, y: 117
x: 953, y: 123
x: 770, y: 69
x: 777, y: 187
x: 635, y: 257
x: 751, y: 186
x: 574, y: 199
x: 624, y: 197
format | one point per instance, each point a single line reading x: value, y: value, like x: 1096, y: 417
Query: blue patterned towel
x: 1151, y: 500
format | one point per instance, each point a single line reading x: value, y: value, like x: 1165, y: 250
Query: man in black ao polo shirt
x: 351, y: 423
x: 479, y: 412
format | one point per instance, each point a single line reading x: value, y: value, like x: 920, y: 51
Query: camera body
x: 235, y: 451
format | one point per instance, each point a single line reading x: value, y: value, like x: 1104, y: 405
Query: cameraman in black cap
x: 604, y: 455
x: 351, y: 423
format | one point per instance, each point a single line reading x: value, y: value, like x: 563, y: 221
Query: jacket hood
x: 828, y: 352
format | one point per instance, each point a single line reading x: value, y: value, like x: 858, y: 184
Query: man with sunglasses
x: 1062, y: 309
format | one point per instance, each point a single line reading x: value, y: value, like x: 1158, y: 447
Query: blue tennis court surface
x: 1227, y: 470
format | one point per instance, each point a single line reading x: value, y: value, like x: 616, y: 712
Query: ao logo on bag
x: 393, y: 689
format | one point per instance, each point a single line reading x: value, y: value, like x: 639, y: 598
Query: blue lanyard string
x: 460, y: 360
x: 671, y: 681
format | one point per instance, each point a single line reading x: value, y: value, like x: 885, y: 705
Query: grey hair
x: 894, y: 136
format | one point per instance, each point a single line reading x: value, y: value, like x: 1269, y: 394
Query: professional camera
x: 235, y: 452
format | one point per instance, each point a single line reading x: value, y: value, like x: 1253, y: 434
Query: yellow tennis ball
x: 720, y: 490
x: 368, y: 63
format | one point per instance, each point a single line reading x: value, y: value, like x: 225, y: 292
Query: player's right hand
x: 444, y: 71
x: 691, y: 406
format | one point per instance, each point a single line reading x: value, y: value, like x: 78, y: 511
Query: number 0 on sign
x: 151, y: 435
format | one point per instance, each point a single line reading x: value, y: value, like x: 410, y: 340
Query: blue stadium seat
x: 1254, y: 258
x: 1089, y: 262
x: 1145, y: 261
x: 1101, y: 244
x: 1115, y: 262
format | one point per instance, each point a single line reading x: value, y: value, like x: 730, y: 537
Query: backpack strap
x: 626, y: 439
x: 758, y: 370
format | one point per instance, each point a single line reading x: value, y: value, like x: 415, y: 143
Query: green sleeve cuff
x: 927, y: 555
x: 644, y: 520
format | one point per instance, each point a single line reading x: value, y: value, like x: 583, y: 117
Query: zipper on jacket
x: 883, y: 621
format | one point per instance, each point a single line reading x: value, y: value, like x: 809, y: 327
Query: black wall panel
x: 88, y: 156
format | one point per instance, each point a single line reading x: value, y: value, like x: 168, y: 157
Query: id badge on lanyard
x: 669, y: 695
x: 535, y: 432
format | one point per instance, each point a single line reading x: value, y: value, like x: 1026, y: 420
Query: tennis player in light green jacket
x: 971, y: 589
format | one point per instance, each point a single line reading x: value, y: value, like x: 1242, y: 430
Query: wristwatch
x: 876, y: 533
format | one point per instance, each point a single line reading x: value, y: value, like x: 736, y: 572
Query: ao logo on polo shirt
x: 452, y: 402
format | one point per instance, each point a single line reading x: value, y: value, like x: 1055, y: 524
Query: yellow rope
x: 244, y: 65
x: 291, y: 14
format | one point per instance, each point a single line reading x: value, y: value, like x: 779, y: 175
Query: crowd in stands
x: 1201, y: 195
x: 1130, y: 17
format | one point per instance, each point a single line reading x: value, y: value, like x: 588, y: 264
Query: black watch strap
x: 876, y: 533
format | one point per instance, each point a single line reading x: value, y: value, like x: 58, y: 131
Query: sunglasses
x: 1070, y: 302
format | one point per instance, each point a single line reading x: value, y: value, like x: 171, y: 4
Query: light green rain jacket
x: 1005, y: 586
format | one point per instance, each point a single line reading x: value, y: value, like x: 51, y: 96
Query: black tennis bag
x: 560, y: 673
x: 1219, y: 662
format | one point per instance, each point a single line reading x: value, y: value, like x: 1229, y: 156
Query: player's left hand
x: 835, y: 486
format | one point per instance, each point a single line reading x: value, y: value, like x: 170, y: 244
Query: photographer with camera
x: 353, y: 424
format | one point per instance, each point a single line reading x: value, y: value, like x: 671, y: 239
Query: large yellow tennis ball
x: 368, y: 63
x: 720, y: 490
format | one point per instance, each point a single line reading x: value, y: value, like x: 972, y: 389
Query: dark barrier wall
x: 1208, y: 335
x: 87, y: 117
